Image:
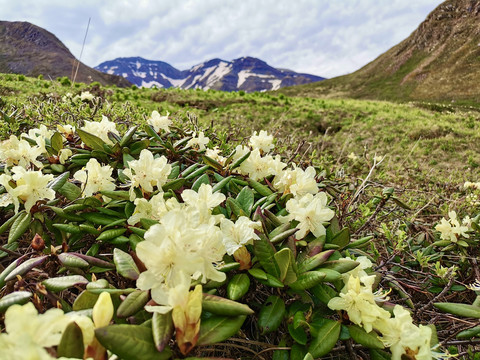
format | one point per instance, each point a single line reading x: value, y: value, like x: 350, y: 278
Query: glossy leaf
x: 219, y: 328
x: 92, y: 141
x: 125, y: 264
x: 326, y: 338
x: 271, y: 314
x: 341, y: 238
x: 307, y: 280
x: 59, y: 181
x: 162, y: 329
x: 25, y: 266
x: 86, y: 300
x: 221, y: 306
x: 238, y: 286
x: 286, y: 264
x: 70, y: 191
x: 19, y: 226
x: 71, y: 260
x: 132, y: 304
x: 369, y: 340
x: 131, y: 342
x: 71, y: 344
x: 64, y: 282
x: 459, y: 309
x: 245, y: 199
x: 265, y: 253
x: 17, y: 297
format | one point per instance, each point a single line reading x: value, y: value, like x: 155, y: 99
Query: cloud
x: 315, y: 36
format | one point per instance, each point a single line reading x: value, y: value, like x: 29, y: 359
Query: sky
x: 321, y: 37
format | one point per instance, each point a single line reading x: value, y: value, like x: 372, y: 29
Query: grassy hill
x: 439, y: 61
x: 421, y: 141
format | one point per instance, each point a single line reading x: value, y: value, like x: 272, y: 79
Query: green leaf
x: 265, y: 253
x: 459, y: 309
x: 308, y: 280
x: 271, y: 314
x: 258, y: 274
x: 330, y: 275
x: 341, y: 238
x: 312, y: 262
x: 327, y: 336
x: 86, y: 300
x: 64, y: 282
x: 271, y: 281
x: 369, y: 340
x: 162, y: 329
x: 131, y: 342
x: 8, y: 270
x: 259, y: 188
x: 204, y: 179
x: 128, y: 136
x: 110, y: 234
x: 469, y: 333
x: 212, y: 163
x: 17, y: 297
x: 98, y: 219
x: 132, y: 304
x: 323, y: 292
x: 298, y: 334
x: 221, y: 306
x: 238, y: 286
x: 70, y: 191
x: 173, y: 184
x: 341, y: 265
x: 92, y: 141
x: 71, y: 260
x: 116, y: 195
x: 68, y: 228
x: 239, y: 161
x: 25, y: 266
x: 245, y: 199
x: 19, y: 226
x: 125, y: 264
x: 219, y: 328
x: 59, y: 181
x: 71, y: 344
x: 286, y: 262
x: 235, y: 207
x: 221, y: 184
x: 57, y: 142
x: 137, y: 147
x: 379, y: 355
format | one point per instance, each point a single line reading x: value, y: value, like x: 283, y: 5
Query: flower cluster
x: 101, y: 129
x: 398, y: 332
x: 452, y: 230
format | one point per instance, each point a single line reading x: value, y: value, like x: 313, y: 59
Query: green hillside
x: 439, y: 61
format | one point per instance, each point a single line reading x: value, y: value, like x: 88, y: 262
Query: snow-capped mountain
x: 246, y: 73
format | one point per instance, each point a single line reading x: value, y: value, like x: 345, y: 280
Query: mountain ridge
x: 245, y: 73
x: 31, y: 50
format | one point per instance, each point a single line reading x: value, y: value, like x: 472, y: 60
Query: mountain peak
x: 245, y: 73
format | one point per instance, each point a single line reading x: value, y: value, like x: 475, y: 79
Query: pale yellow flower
x: 95, y: 178
x: 102, y: 312
x: 238, y: 234
x: 159, y: 122
x: 203, y: 198
x: 310, y: 212
x: 64, y: 155
x: 296, y: 181
x: 86, y: 96
x: 199, y: 142
x: 101, y: 129
x: 262, y: 141
x: 147, y: 172
x: 19, y: 152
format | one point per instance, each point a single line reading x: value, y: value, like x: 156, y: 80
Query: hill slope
x: 246, y: 73
x: 439, y: 61
x: 28, y: 49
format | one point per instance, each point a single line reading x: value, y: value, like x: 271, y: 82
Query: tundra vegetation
x: 156, y: 224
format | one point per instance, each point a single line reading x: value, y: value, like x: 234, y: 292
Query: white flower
x: 451, y: 229
x: 262, y: 141
x: 19, y: 152
x: 95, y: 178
x: 199, y: 142
x: 215, y: 155
x: 66, y: 130
x: 352, y: 156
x: 403, y: 337
x: 358, y: 300
x: 153, y: 209
x: 310, y: 212
x: 86, y: 96
x: 101, y: 129
x: 203, y: 198
x: 31, y: 186
x: 147, y: 171
x: 64, y: 155
x: 297, y: 181
x: 238, y: 234
x: 159, y: 122
x: 28, y: 333
x: 473, y: 185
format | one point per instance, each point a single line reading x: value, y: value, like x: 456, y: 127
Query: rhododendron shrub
x: 155, y: 242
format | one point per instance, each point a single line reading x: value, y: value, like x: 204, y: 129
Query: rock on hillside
x: 439, y: 61
x: 246, y: 73
x: 31, y: 50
